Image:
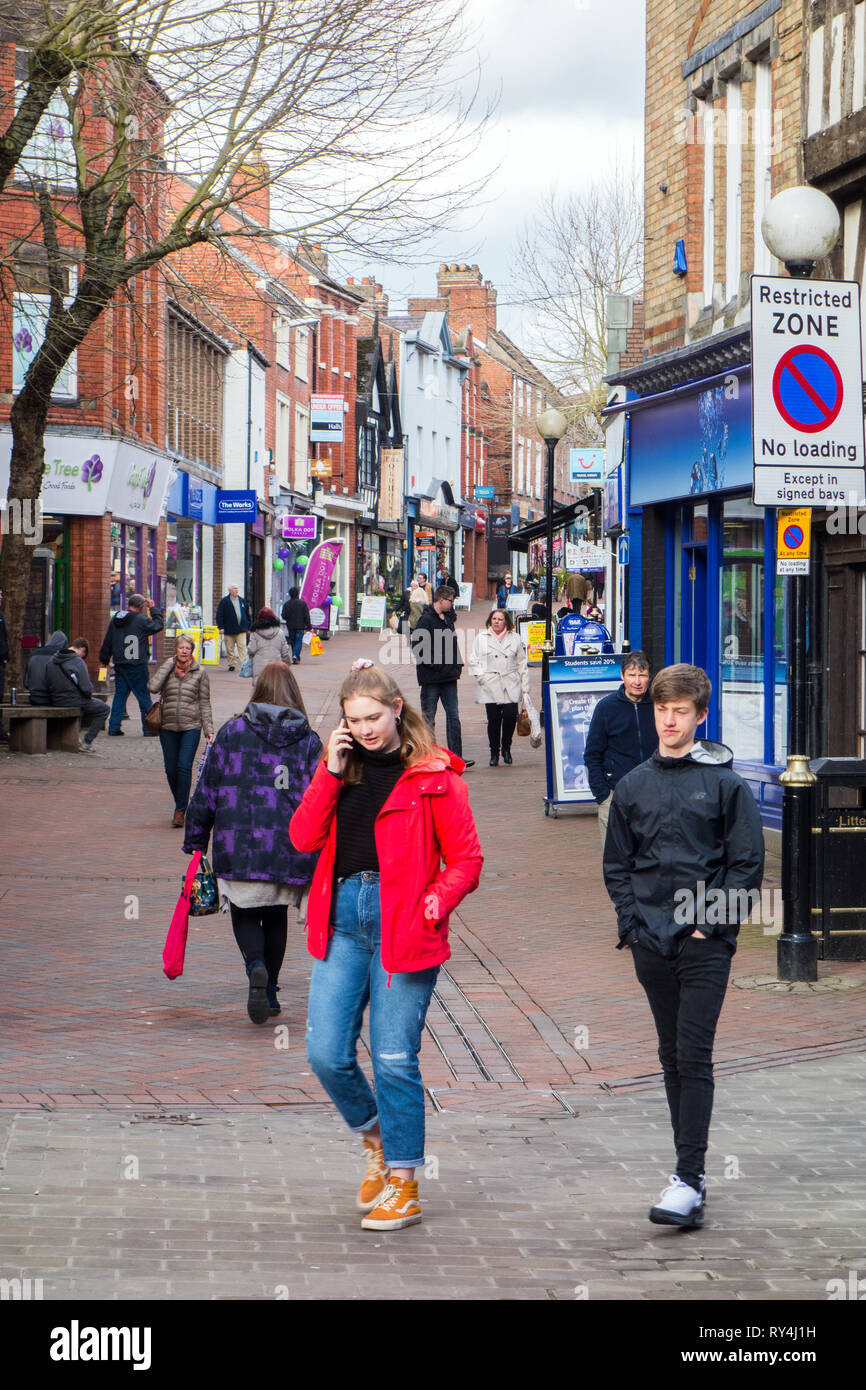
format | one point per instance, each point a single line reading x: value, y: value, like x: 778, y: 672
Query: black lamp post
x: 800, y: 226
x: 551, y: 425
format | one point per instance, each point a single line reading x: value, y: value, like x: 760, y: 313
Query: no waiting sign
x: 793, y: 533
x: 807, y: 382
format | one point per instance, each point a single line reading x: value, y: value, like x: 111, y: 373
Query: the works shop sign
x: 807, y: 382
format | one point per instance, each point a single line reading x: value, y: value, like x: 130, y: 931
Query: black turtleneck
x: 358, y: 808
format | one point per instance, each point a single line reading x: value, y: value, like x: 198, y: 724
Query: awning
x: 562, y: 516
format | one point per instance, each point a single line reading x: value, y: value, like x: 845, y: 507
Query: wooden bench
x: 40, y: 728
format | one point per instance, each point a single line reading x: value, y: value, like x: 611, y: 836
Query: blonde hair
x: 416, y: 738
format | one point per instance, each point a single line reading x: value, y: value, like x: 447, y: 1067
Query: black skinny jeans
x: 501, y: 723
x: 686, y: 996
x: 261, y: 935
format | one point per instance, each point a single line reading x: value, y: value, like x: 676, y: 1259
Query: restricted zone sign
x: 807, y: 382
x: 793, y: 530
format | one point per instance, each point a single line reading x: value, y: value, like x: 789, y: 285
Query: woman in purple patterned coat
x: 255, y: 775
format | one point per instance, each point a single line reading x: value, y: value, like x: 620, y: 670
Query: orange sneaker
x: 376, y: 1179
x: 399, y: 1207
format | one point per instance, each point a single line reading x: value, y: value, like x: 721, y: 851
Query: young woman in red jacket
x: 399, y: 851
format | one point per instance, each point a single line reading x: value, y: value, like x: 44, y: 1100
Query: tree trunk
x: 25, y: 484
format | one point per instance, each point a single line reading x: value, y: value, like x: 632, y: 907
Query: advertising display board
x: 464, y: 598
x: 372, y: 617
x: 576, y: 685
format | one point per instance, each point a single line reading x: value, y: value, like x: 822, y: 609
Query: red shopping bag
x: 175, y: 943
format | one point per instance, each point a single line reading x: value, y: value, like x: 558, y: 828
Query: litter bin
x: 839, y: 869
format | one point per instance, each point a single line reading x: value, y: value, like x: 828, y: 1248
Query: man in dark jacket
x: 683, y: 863
x: 127, y: 644
x: 234, y: 620
x: 4, y: 657
x: 36, y: 675
x: 69, y: 687
x: 622, y: 734
x: 296, y: 616
x: 438, y: 665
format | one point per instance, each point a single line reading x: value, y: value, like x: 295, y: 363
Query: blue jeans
x: 447, y: 693
x: 128, y: 679
x: 295, y: 636
x: 178, y: 754
x: 341, y: 985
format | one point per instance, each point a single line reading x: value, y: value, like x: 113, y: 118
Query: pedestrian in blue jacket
x: 622, y: 734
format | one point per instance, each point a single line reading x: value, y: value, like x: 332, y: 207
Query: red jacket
x: 425, y: 820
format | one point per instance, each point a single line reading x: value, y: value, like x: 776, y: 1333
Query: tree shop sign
x: 326, y: 419
x: 89, y: 475
x: 807, y: 382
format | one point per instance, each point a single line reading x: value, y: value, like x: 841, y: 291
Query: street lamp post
x: 551, y: 425
x: 800, y: 226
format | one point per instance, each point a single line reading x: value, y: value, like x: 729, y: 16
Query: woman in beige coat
x: 186, y: 715
x: 501, y: 669
x: 267, y: 642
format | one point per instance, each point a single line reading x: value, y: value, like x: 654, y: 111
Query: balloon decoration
x: 279, y: 564
x: 298, y: 568
x: 302, y: 561
x: 337, y: 601
x: 284, y: 552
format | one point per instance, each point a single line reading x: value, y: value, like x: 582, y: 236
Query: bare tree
x: 573, y: 253
x: 349, y: 111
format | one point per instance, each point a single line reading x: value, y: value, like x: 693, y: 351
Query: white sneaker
x: 679, y: 1205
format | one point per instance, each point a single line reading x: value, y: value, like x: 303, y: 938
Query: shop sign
x: 321, y: 468
x: 486, y: 491
x: 233, y: 506
x: 297, y: 528
x: 440, y: 512
x: 807, y: 386
x: 391, y: 485
x: 480, y: 521
x: 500, y: 524
x: 586, y: 465
x: 139, y: 485
x: 590, y: 557
x: 326, y: 419
x: 77, y: 473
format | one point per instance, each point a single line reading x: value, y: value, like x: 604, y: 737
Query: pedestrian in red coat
x: 398, y: 852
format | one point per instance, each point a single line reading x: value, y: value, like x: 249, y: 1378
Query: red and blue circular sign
x: 807, y: 388
x: 793, y: 537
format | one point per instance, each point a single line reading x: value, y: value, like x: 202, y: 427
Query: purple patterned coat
x: 257, y: 770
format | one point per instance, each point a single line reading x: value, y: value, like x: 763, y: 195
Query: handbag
x: 153, y: 718
x: 316, y: 648
x: 174, y: 950
x: 246, y: 668
x: 524, y: 724
x: 204, y: 891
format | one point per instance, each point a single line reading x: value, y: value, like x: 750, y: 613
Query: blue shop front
x: 702, y: 581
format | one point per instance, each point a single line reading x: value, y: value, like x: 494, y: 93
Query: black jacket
x: 36, y: 675
x: 4, y: 641
x: 296, y: 615
x: 68, y: 681
x: 622, y: 734
x: 227, y: 619
x: 678, y: 829
x: 127, y: 641
x: 435, y: 649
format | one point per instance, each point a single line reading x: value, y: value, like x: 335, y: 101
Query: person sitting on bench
x: 68, y: 683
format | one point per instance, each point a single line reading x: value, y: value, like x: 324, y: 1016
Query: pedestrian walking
x: 69, y: 687
x: 267, y: 642
x: 256, y: 772
x: 420, y: 595
x: 622, y: 734
x: 233, y: 620
x: 186, y: 715
x: 127, y: 644
x: 296, y: 616
x: 501, y: 668
x: 683, y: 827
x: 577, y: 590
x: 384, y: 810
x: 438, y: 666
x: 505, y: 588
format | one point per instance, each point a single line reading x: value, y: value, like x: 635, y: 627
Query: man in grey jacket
x: 683, y: 863
x: 69, y: 687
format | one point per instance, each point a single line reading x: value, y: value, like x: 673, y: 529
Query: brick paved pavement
x: 185, y: 1204
x: 534, y: 1010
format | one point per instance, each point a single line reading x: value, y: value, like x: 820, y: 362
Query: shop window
x: 48, y: 157
x: 741, y: 593
x: 183, y: 573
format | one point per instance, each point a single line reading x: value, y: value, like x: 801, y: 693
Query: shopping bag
x: 174, y: 950
x: 307, y: 639
x: 246, y: 667
x: 524, y: 725
x: 316, y: 647
x: 204, y: 893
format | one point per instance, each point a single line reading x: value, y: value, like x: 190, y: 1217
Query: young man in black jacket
x: 296, y: 616
x: 69, y: 687
x: 438, y: 666
x: 622, y: 734
x: 127, y: 644
x: 683, y: 859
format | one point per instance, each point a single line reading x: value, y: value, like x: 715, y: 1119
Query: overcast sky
x: 570, y: 75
